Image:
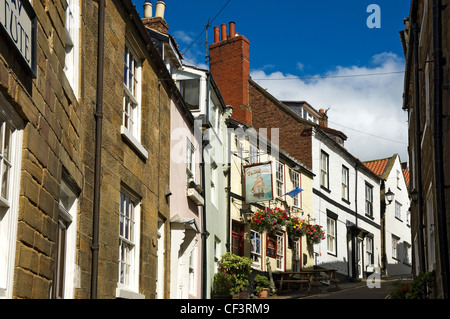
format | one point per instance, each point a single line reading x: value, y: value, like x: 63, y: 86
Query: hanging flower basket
x: 314, y: 234
x: 296, y: 227
x: 269, y: 220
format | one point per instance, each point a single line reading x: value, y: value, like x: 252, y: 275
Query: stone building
x: 85, y: 144
x: 426, y: 45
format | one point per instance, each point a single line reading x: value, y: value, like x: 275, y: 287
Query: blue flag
x: 294, y: 192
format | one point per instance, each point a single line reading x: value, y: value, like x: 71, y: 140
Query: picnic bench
x: 312, y: 278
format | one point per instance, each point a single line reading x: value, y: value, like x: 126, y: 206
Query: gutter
x: 418, y: 147
x: 438, y: 146
x: 98, y: 147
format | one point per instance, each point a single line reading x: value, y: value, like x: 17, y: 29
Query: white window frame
x: 280, y: 251
x: 369, y: 250
x: 72, y: 27
x: 213, y: 183
x: 295, y: 176
x: 68, y: 217
x: 255, y: 242
x: 331, y: 235
x: 160, y: 257
x: 129, y: 244
x: 296, y: 255
x: 398, y: 210
x: 131, y: 112
x: 345, y: 182
x: 9, y: 209
x: 369, y: 200
x: 395, y: 245
x: 279, y: 177
x: 190, y: 161
x: 217, y: 254
x: 253, y: 154
x: 324, y: 169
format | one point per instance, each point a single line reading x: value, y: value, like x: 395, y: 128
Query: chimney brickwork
x: 230, y: 66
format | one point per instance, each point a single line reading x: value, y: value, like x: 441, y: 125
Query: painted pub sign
x: 18, y: 23
x: 258, y: 182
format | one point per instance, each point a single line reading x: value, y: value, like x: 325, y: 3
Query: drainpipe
x: 98, y: 144
x: 418, y: 147
x: 204, y: 231
x: 438, y: 146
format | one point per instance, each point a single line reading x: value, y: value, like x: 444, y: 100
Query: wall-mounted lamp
x: 247, y: 214
x: 414, y: 196
x: 389, y: 196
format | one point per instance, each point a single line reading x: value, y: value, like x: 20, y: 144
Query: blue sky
x: 303, y: 39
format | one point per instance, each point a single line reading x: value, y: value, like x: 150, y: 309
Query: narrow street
x: 347, y: 290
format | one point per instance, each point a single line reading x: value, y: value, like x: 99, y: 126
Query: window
x: 190, y: 91
x: 160, y: 260
x: 280, y: 251
x: 407, y: 253
x: 217, y: 254
x: 345, y: 180
x: 395, y: 243
x: 430, y: 231
x: 296, y: 255
x: 64, y: 275
x: 213, y: 183
x: 279, y: 178
x: 398, y: 179
x: 369, y: 250
x: 10, y: 166
x: 331, y: 235
x: 72, y: 25
x: 253, y: 154
x: 5, y: 162
x: 296, y: 183
x: 369, y: 200
x: 324, y: 169
x: 398, y: 210
x: 128, y: 242
x: 190, y: 161
x: 132, y: 91
x: 255, y: 250
x: 192, y: 266
x: 408, y: 218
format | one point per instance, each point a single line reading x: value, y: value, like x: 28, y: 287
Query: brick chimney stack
x: 229, y: 62
x: 323, y: 121
x: 157, y: 22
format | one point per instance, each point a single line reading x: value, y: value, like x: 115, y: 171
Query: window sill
x: 370, y: 216
x: 346, y: 201
x: 133, y: 142
x: 128, y: 294
x: 398, y: 219
x: 325, y: 189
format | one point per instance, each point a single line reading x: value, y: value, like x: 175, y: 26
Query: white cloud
x: 369, y: 104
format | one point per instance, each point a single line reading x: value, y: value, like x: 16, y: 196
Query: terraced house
x: 85, y: 130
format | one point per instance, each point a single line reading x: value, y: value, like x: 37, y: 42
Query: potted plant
x: 238, y: 269
x: 222, y: 285
x: 296, y: 227
x: 262, y: 286
x: 269, y: 220
x: 314, y: 234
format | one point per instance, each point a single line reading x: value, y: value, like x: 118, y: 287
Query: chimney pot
x: 216, y: 34
x: 224, y: 32
x: 232, y: 30
x: 160, y: 7
x: 148, y: 9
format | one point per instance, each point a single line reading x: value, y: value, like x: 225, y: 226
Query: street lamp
x: 389, y: 196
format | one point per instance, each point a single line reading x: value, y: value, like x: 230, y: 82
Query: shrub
x: 222, y: 285
x: 415, y: 289
x: 238, y: 269
x: 261, y: 282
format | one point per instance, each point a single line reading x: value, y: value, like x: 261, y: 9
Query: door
x: 359, y: 257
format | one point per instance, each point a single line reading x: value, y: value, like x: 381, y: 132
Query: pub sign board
x: 258, y: 182
x: 18, y: 24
